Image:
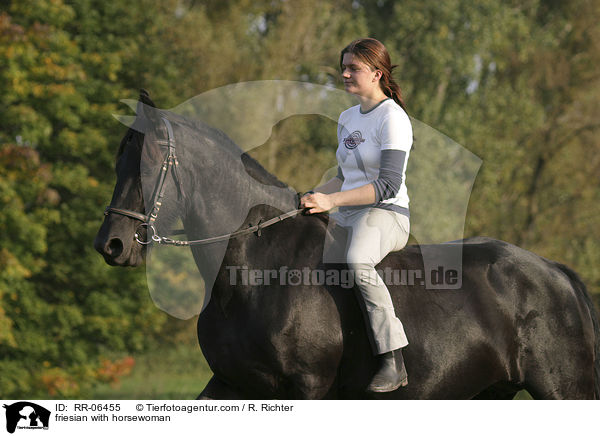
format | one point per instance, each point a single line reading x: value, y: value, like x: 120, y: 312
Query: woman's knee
x: 356, y: 258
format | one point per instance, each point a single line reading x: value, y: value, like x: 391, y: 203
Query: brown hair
x: 373, y: 53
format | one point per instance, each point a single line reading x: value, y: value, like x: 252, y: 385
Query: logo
x: 353, y: 140
x: 26, y: 415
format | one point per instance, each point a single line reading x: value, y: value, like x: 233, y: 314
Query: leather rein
x: 171, y: 163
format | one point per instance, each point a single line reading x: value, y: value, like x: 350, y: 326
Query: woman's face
x: 358, y: 77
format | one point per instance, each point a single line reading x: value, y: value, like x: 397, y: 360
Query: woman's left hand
x: 317, y: 202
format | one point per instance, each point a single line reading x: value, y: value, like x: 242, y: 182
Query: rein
x: 171, y: 163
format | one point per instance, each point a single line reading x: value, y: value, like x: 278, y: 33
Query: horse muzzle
x: 119, y: 250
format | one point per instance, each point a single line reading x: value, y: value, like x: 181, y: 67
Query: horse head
x: 138, y: 164
x: 217, y: 190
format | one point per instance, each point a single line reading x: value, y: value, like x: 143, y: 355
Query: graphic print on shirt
x: 351, y: 142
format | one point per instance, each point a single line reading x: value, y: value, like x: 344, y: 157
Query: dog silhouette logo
x: 26, y: 415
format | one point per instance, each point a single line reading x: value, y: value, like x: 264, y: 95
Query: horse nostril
x: 114, y: 248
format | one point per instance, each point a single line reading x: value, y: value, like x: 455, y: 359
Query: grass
x: 173, y: 372
x: 523, y: 395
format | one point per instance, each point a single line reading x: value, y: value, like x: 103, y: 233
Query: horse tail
x: 580, y: 286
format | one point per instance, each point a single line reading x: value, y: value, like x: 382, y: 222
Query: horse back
x: 512, y: 310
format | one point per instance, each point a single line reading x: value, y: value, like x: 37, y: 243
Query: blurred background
x: 515, y: 82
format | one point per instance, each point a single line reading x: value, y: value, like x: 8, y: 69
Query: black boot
x: 391, y: 374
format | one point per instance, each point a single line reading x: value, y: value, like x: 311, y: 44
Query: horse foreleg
x: 218, y: 390
x: 500, y: 391
x: 561, y: 375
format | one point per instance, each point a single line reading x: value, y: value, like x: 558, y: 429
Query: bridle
x: 170, y: 163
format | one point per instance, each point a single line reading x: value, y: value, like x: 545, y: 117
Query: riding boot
x: 391, y: 374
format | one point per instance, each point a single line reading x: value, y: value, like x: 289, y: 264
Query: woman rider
x: 374, y: 141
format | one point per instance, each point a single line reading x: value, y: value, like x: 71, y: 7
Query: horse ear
x: 146, y: 110
x: 145, y: 98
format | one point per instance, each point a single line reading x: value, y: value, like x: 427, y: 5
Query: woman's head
x: 373, y: 53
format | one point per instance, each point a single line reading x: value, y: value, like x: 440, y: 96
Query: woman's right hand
x: 317, y: 202
x: 304, y: 198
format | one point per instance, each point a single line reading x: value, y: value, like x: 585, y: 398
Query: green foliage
x: 513, y: 82
x: 62, y: 308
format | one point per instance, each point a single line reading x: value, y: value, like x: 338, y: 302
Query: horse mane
x: 251, y: 165
x: 259, y: 173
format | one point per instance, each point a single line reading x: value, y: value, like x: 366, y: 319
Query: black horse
x: 518, y: 321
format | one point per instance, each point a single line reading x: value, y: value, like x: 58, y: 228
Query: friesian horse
x: 519, y: 321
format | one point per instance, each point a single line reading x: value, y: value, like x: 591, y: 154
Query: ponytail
x: 391, y: 88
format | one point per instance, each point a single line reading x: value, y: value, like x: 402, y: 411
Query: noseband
x: 171, y: 163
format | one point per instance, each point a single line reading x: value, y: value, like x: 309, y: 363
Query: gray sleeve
x: 390, y: 174
x: 340, y: 175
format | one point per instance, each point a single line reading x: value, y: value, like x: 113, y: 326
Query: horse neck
x: 223, y: 193
x: 223, y: 197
